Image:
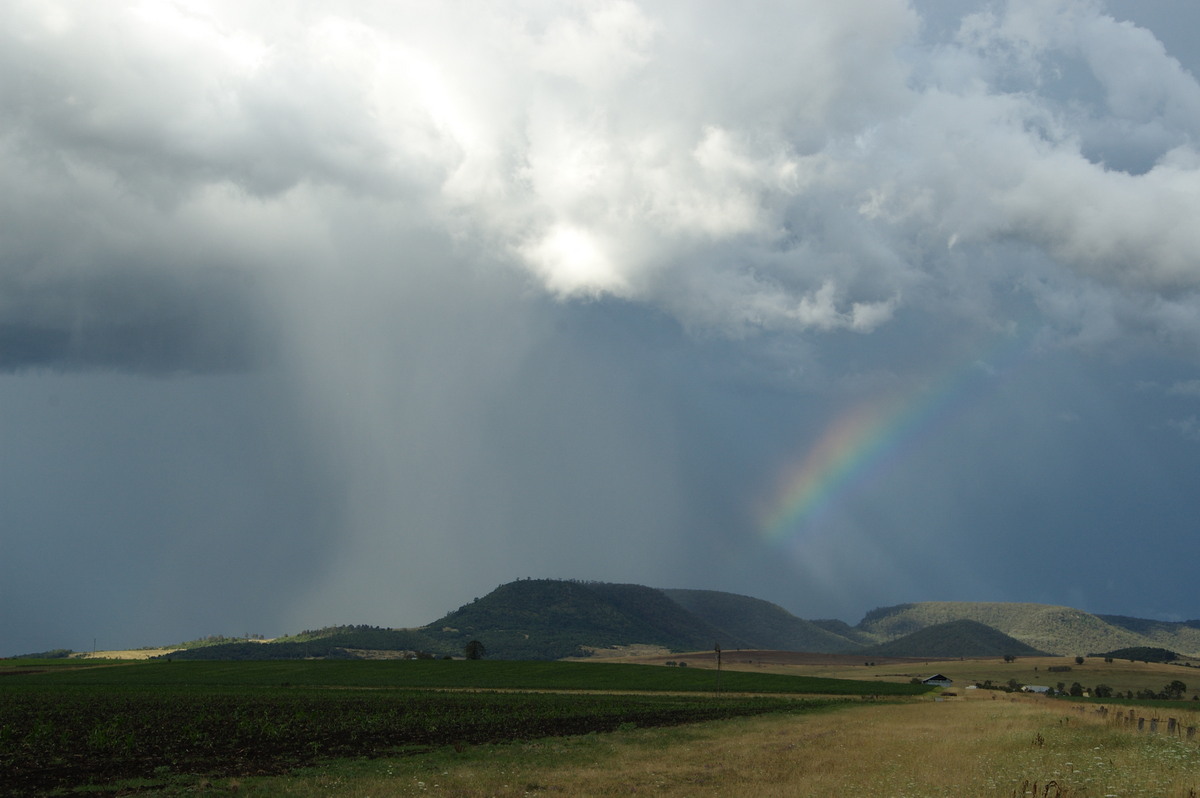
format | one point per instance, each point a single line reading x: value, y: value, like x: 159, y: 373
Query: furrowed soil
x: 64, y: 728
x: 344, y: 728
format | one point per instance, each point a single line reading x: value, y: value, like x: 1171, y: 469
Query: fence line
x: 1130, y: 719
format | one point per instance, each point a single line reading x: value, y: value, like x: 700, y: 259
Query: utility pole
x: 717, y: 648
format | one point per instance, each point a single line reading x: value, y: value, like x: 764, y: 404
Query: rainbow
x: 863, y: 442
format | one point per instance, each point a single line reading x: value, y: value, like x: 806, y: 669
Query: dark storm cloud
x: 136, y: 322
x: 820, y: 189
x: 503, y: 290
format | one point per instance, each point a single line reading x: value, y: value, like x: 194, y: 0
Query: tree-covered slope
x: 332, y: 643
x: 961, y: 638
x: 549, y: 619
x: 1049, y: 628
x: 763, y: 624
x: 1184, y: 636
x: 856, y: 636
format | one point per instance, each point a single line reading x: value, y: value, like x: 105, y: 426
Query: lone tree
x: 474, y: 650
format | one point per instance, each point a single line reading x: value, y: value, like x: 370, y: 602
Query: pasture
x: 1008, y: 748
x: 1121, y: 675
x: 63, y: 726
x: 530, y: 729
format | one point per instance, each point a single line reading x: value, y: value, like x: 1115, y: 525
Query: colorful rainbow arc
x: 863, y: 442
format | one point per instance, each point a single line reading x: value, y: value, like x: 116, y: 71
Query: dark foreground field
x: 63, y: 728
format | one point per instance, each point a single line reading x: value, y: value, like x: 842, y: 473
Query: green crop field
x: 65, y: 727
x: 485, y: 674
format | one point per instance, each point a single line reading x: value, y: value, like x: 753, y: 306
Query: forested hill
x: 961, y: 638
x: 542, y: 618
x: 1049, y: 628
x: 548, y: 619
x: 767, y: 625
x: 552, y: 619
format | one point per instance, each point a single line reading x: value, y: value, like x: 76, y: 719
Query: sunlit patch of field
x: 133, y: 653
x: 917, y: 749
x: 1121, y: 675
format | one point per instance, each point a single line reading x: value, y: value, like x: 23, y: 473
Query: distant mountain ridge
x: 552, y: 619
x: 1046, y: 627
x: 761, y: 623
x: 959, y: 638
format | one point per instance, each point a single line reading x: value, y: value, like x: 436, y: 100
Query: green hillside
x: 551, y: 619
x: 766, y: 625
x: 842, y: 629
x: 1183, y: 636
x: 961, y: 638
x: 333, y: 643
x: 1142, y: 653
x: 1053, y: 629
x: 546, y: 619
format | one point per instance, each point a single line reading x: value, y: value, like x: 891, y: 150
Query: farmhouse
x: 938, y: 680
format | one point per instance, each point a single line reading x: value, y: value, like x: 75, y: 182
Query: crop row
x: 491, y: 674
x: 59, y: 738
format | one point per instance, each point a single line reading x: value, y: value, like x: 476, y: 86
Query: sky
x: 335, y: 312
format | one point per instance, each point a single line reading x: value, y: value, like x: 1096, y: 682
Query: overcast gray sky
x: 333, y: 312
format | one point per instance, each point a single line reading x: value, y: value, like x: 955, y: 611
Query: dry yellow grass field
x: 1008, y: 747
x: 1121, y: 675
x: 133, y: 653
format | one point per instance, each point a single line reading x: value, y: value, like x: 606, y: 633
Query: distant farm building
x: 1035, y: 688
x: 938, y: 680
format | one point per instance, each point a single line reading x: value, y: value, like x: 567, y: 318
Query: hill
x: 339, y: 642
x: 961, y: 638
x: 541, y: 619
x: 550, y: 619
x: 843, y: 629
x: 1183, y: 636
x: 1049, y: 628
x: 767, y: 625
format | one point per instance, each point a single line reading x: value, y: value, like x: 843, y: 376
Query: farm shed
x: 938, y: 680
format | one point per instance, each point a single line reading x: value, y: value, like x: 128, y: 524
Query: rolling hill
x: 1049, y: 628
x: 553, y: 619
x: 550, y: 619
x: 765, y: 624
x: 961, y: 638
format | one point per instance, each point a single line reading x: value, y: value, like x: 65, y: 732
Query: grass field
x: 63, y: 726
x: 1121, y: 675
x: 481, y: 729
x: 1007, y: 748
x: 442, y: 674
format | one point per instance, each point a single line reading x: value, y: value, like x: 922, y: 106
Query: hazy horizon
x: 254, y: 635
x: 339, y: 312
